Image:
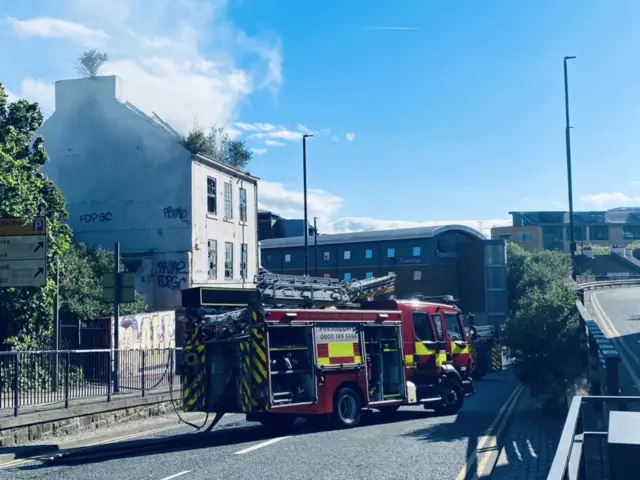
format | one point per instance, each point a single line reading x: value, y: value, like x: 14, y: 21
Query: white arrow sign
x: 22, y: 273
x: 26, y: 247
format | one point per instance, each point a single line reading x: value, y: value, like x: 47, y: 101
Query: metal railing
x: 581, y: 453
x: 53, y: 377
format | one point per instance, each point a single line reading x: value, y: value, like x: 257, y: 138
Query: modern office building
x: 447, y: 260
x: 550, y: 230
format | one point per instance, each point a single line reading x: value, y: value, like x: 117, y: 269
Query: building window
x: 631, y: 232
x: 243, y: 261
x: 243, y: 205
x: 599, y: 233
x: 347, y: 277
x: 369, y: 275
x: 228, y: 201
x: 347, y: 254
x: 596, y: 218
x: 506, y: 236
x: 579, y: 233
x: 287, y: 258
x: 417, y: 274
x: 228, y: 260
x: 553, y: 238
x: 326, y: 256
x: 368, y: 253
x: 391, y: 252
x: 523, y: 237
x: 212, y: 196
x: 416, y: 251
x: 212, y: 248
x: 495, y: 255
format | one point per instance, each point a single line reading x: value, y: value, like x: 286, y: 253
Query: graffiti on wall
x: 147, y: 330
x: 171, y: 274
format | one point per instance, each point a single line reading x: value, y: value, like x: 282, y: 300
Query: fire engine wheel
x: 452, y: 398
x: 346, y: 409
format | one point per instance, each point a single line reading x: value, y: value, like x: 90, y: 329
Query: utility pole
x: 315, y: 242
x: 304, y: 186
x: 572, y: 241
x: 116, y: 317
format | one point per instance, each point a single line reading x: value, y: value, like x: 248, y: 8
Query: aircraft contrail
x: 393, y: 28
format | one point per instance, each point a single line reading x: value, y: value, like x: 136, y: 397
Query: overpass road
x: 417, y: 444
x: 618, y: 314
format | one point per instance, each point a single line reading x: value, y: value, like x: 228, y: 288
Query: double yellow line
x: 481, y: 462
x: 612, y: 333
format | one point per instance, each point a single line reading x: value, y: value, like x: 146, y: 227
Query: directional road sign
x: 23, y: 252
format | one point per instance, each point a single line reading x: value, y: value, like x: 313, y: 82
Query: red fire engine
x: 342, y: 353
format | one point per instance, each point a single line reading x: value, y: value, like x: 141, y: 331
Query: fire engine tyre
x: 346, y: 409
x: 452, y: 398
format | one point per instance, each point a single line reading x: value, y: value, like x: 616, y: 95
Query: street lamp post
x: 572, y: 241
x: 304, y: 187
x: 315, y: 243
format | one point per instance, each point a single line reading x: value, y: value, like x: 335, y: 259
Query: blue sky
x: 460, y: 118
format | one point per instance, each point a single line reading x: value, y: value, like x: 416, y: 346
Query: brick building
x: 444, y: 260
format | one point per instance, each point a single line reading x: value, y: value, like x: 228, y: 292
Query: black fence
x: 582, y: 451
x: 53, y: 378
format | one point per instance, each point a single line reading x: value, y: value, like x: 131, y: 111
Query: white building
x: 182, y: 220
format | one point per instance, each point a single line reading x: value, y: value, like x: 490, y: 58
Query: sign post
x: 23, y: 252
x: 117, y: 287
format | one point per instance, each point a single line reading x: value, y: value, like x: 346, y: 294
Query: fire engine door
x: 457, y: 340
x: 292, y: 360
x: 425, y: 346
x: 384, y: 355
x: 442, y: 352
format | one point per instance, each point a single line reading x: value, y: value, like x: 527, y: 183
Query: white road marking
x: 261, y: 445
x: 491, y: 435
x: 176, y: 475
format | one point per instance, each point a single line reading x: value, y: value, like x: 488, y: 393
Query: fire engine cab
x: 325, y: 351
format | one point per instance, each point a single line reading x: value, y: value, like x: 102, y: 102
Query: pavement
x: 416, y: 442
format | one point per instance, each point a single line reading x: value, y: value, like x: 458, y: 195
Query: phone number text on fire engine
x: 336, y: 334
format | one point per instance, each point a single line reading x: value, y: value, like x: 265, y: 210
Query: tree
x: 217, y: 145
x: 542, y: 331
x: 81, y: 271
x: 90, y: 63
x: 26, y: 313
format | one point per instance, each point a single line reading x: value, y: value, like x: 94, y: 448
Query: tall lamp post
x: 572, y: 240
x: 315, y: 243
x: 304, y: 186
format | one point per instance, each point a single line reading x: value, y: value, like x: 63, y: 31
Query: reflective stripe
x: 339, y: 353
x: 457, y: 350
x: 422, y: 349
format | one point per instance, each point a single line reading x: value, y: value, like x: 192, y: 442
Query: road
x: 417, y: 444
x: 618, y: 314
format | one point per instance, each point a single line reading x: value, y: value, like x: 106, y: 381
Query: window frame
x: 212, y: 196
x: 228, y: 201
x: 242, y: 192
x: 347, y: 255
x: 287, y: 258
x: 228, y: 261
x: 244, y: 260
x: 391, y: 252
x: 212, y: 270
x: 414, y: 250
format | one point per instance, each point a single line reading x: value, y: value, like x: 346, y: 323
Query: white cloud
x: 558, y: 204
x: 636, y: 182
x: 525, y: 199
x: 35, y: 91
x: 351, y: 136
x: 335, y: 138
x: 259, y: 151
x: 614, y: 199
x: 287, y: 202
x: 57, y: 28
x: 273, y: 143
x: 182, y: 59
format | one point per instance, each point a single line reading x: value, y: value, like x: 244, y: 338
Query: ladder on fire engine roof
x: 302, y: 291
